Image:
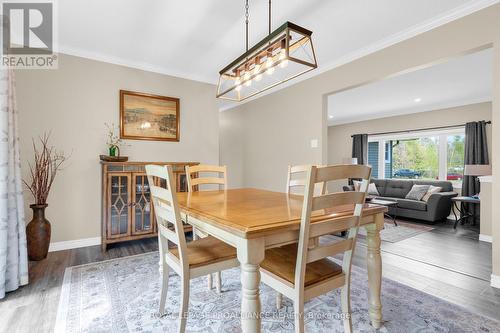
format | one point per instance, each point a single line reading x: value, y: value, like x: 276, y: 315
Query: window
x: 418, y: 155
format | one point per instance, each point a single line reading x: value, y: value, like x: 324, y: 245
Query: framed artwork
x: 148, y: 117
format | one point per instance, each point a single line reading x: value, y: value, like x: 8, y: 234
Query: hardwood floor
x: 452, y: 265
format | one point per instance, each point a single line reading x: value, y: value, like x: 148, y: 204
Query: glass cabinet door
x: 119, y: 208
x: 142, y: 215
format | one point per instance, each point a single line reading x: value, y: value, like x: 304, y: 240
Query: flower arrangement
x: 47, y: 163
x: 114, y: 142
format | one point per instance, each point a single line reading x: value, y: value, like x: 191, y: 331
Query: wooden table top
x: 247, y: 211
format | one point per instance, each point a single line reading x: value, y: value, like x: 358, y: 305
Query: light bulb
x: 248, y: 83
x: 284, y: 61
x: 256, y: 72
x: 246, y: 76
x: 269, y: 65
x: 237, y: 83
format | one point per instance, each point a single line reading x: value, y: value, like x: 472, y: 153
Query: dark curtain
x: 360, y: 148
x: 476, y: 152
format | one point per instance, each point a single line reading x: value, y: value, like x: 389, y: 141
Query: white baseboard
x: 73, y: 244
x: 485, y: 238
x: 495, y: 281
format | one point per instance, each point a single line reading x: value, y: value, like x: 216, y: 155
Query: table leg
x: 374, y: 265
x: 455, y: 208
x: 250, y: 255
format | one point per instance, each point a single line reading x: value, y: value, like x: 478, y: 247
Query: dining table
x: 253, y: 220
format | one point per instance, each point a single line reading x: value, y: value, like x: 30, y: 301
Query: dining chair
x: 301, y: 272
x: 189, y: 260
x: 198, y: 176
x: 295, y: 184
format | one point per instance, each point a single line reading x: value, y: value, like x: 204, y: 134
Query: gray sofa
x: 437, y: 208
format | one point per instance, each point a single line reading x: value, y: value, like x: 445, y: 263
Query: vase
x: 112, y: 151
x: 38, y: 234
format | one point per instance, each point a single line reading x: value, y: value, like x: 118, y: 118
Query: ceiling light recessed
x: 417, y: 100
x: 330, y: 116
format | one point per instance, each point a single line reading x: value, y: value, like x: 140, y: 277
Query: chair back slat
x: 167, y: 210
x: 340, y: 172
x: 297, y: 185
x: 195, y: 178
x: 328, y: 227
x: 207, y: 180
x: 168, y: 234
x: 323, y: 251
x: 350, y: 221
x: 337, y: 199
x: 161, y: 193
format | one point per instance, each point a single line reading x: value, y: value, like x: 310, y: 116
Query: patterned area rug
x: 402, y: 231
x: 122, y: 295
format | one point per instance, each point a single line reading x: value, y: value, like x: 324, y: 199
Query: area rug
x: 404, y: 230
x: 122, y: 295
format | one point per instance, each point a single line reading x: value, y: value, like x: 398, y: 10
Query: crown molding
x: 410, y: 110
x: 132, y: 64
x: 401, y: 36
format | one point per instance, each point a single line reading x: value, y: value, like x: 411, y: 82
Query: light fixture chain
x: 246, y: 21
x: 269, y: 17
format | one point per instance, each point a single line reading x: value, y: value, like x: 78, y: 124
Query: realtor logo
x: 28, y: 35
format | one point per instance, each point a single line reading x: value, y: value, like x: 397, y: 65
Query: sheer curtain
x: 13, y: 252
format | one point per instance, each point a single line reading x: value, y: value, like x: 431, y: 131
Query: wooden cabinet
x: 127, y: 210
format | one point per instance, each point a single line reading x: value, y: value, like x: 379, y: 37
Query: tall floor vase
x: 38, y: 234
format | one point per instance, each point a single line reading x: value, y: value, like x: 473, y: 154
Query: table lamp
x: 477, y: 170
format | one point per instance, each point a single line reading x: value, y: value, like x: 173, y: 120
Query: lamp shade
x: 281, y: 56
x: 477, y: 170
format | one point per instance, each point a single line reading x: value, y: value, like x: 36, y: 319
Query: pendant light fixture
x: 284, y: 54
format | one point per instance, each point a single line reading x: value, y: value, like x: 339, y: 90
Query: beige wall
x: 74, y: 102
x: 279, y: 126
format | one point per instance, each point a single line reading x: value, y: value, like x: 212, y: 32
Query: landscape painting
x: 148, y: 117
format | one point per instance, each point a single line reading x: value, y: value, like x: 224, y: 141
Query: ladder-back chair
x: 301, y: 272
x: 188, y: 260
x: 198, y: 176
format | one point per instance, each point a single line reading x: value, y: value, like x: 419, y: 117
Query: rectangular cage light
x: 284, y: 54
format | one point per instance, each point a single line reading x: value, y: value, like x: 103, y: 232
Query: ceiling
x: 460, y: 81
x: 195, y: 38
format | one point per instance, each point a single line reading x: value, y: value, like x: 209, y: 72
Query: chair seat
x: 281, y: 261
x: 205, y: 251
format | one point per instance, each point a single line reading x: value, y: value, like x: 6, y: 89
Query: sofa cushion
x: 380, y: 184
x: 397, y: 188
x: 412, y: 204
x: 445, y: 185
x: 431, y: 191
x: 417, y: 192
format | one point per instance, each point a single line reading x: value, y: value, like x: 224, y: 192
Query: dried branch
x: 47, y: 163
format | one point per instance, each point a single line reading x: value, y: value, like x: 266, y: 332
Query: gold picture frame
x: 149, y: 117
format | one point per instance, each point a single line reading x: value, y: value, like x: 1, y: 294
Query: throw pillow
x: 431, y: 191
x: 372, y: 189
x: 357, y: 185
x: 417, y: 192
